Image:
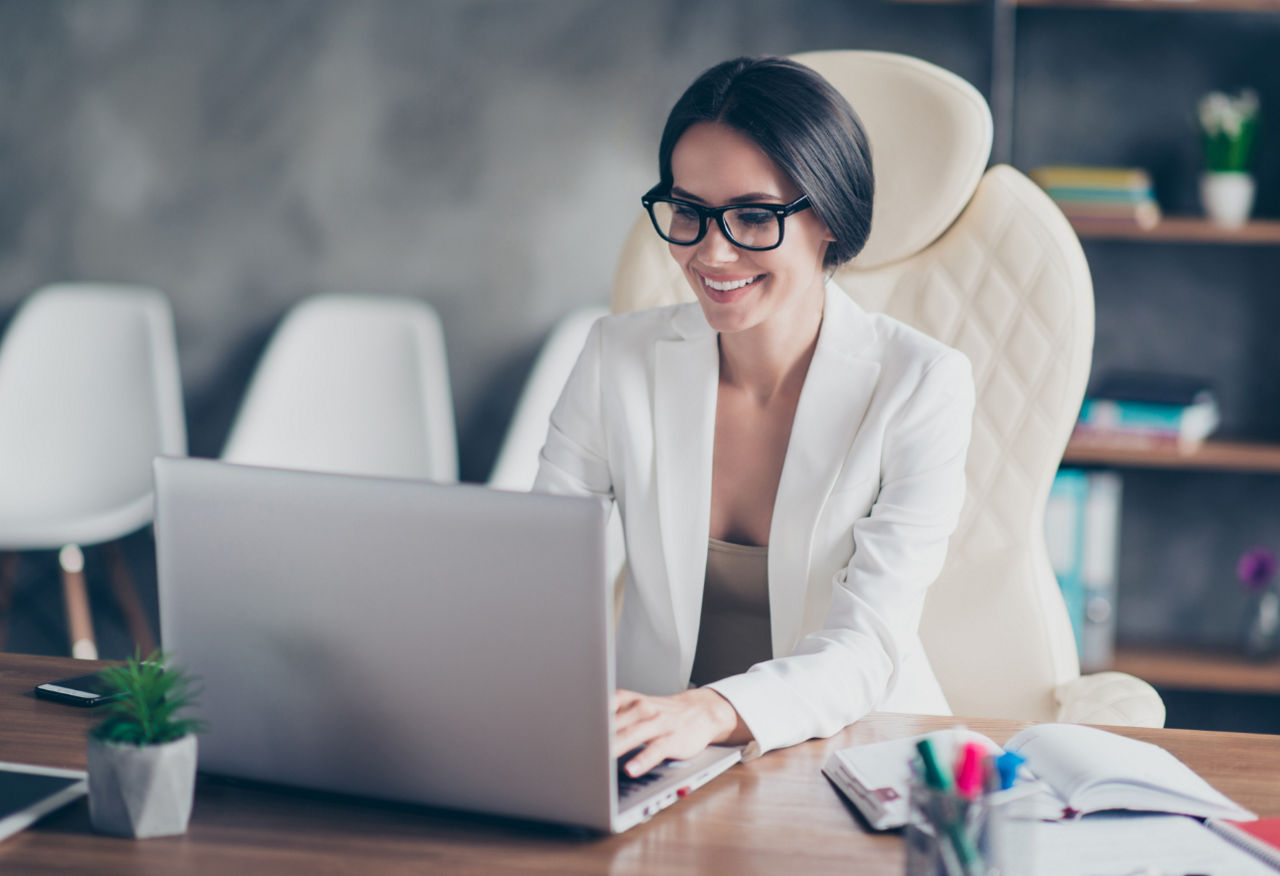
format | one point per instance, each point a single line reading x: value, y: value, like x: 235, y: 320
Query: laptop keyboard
x: 629, y: 785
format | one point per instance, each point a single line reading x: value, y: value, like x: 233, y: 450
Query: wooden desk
x: 774, y: 815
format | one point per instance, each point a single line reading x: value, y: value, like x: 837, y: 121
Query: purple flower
x: 1256, y: 568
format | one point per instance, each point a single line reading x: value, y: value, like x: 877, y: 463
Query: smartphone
x: 83, y: 690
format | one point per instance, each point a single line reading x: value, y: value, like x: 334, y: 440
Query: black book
x: 1153, y: 388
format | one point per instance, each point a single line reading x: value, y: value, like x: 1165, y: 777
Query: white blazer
x: 871, y: 489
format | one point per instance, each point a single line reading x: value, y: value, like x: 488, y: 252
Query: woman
x: 788, y: 467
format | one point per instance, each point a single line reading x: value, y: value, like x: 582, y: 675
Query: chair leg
x: 75, y: 598
x: 8, y: 580
x: 126, y: 595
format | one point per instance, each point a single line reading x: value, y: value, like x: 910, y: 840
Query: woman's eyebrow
x: 749, y: 197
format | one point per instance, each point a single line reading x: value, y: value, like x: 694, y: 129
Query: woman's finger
x: 649, y: 757
x: 639, y: 733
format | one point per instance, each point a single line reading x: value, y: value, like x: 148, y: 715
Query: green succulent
x: 148, y: 695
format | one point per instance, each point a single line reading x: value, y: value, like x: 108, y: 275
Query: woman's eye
x: 682, y: 213
x: 754, y: 217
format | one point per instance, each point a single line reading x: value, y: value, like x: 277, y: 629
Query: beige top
x: 734, y: 633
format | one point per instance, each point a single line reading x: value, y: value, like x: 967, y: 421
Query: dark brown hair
x: 803, y: 124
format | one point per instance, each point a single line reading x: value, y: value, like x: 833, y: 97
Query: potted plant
x: 142, y: 758
x: 1228, y: 125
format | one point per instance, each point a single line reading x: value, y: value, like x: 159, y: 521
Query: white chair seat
x: 89, y: 395
x: 354, y: 384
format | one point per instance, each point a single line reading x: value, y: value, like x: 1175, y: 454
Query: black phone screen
x: 82, y: 690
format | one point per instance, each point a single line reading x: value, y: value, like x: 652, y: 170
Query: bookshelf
x: 1182, y: 229
x: 1127, y: 5
x: 1199, y: 669
x: 1227, y: 456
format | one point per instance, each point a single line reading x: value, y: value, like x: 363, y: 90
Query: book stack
x: 1122, y: 195
x: 1082, y: 534
x: 1148, y: 411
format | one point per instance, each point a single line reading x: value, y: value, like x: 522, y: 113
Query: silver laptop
x: 443, y: 645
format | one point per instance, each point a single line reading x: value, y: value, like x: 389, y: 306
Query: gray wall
x: 488, y: 156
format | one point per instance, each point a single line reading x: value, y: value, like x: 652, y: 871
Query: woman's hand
x: 678, y: 726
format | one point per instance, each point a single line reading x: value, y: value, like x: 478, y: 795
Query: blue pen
x: 1007, y: 766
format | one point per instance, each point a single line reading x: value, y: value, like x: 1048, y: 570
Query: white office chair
x: 89, y: 394
x: 353, y: 384
x: 987, y: 264
x: 517, y: 463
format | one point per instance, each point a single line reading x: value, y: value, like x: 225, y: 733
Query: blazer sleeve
x: 841, y: 672
x: 574, y: 459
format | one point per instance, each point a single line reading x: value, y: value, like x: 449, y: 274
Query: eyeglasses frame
x: 782, y: 211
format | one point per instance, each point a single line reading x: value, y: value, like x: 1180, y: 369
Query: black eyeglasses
x: 755, y: 227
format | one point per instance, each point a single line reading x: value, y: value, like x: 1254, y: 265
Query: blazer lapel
x: 687, y: 370
x: 835, y: 396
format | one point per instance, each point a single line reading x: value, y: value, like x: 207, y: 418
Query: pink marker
x: 969, y: 771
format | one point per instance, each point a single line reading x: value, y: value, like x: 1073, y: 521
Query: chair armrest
x: 1109, y: 698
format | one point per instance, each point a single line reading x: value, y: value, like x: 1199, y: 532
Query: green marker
x: 936, y: 775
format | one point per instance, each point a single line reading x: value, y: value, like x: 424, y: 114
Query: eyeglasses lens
x: 748, y: 226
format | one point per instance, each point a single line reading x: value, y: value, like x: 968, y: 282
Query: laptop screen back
x: 446, y: 645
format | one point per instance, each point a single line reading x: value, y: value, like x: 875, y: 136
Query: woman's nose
x: 715, y: 248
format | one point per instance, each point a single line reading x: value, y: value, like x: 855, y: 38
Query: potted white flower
x: 1228, y: 125
x: 142, y: 758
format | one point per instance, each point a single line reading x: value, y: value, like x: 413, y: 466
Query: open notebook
x: 1075, y: 769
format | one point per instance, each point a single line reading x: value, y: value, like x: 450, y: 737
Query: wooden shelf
x: 1163, y: 5
x: 1195, y: 669
x: 1210, y: 456
x: 1131, y: 5
x: 1182, y: 229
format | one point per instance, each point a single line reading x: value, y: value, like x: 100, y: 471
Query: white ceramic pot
x: 1227, y: 196
x: 141, y: 791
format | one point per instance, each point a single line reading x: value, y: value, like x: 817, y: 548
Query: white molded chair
x: 985, y: 262
x: 517, y: 463
x: 353, y: 384
x: 89, y: 394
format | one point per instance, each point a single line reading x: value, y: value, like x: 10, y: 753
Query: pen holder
x: 991, y: 835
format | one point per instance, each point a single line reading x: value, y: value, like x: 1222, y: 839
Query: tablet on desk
x: 29, y: 792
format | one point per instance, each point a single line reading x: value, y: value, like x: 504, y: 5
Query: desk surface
x: 776, y: 814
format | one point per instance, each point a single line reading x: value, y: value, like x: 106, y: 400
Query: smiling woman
x: 788, y: 467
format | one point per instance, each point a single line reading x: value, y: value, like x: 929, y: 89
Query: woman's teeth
x: 728, y: 287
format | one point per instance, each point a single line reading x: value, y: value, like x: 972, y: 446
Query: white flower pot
x: 1227, y: 196
x: 141, y: 791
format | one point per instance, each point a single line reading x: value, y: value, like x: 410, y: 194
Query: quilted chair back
x: 984, y: 262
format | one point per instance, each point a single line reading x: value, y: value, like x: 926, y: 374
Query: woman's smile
x: 727, y: 288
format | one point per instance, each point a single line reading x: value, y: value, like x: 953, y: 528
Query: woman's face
x: 739, y: 289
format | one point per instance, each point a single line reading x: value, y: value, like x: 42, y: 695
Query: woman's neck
x: 774, y: 356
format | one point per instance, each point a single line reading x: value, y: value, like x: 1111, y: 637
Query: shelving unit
x: 1195, y: 669
x: 1174, y: 668
x: 1182, y: 229
x: 1211, y: 456
x: 1129, y: 5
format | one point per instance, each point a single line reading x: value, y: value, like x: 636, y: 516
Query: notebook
x: 1078, y: 770
x: 28, y: 793
x: 442, y: 645
x: 1261, y: 837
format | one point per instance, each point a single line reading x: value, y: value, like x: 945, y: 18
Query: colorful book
x: 1147, y: 386
x: 1064, y: 531
x: 1100, y: 569
x: 1184, y: 425
x: 1145, y: 214
x: 1086, y: 176
x: 1261, y: 837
